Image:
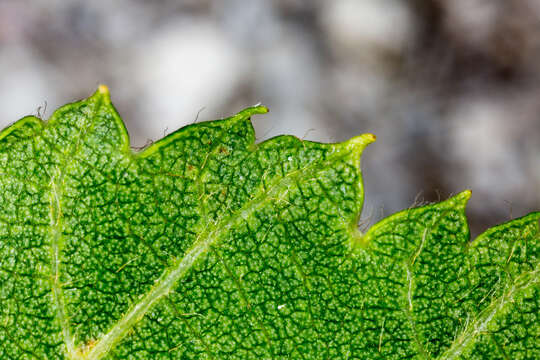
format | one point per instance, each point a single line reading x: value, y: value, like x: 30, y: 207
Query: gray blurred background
x: 450, y: 88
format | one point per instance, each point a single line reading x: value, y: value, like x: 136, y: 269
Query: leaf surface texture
x: 206, y: 245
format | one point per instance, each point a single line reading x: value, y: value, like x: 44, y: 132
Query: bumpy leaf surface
x: 206, y: 245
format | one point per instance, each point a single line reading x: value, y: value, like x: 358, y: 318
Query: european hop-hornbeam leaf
x: 207, y: 245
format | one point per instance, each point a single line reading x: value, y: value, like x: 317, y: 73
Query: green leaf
x: 206, y: 245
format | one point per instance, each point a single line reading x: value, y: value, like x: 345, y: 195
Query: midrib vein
x: 480, y: 324
x: 201, y: 245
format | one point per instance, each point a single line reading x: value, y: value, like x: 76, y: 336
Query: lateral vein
x: 479, y: 325
x: 201, y: 246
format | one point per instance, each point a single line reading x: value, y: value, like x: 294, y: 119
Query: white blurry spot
x: 483, y: 142
x: 24, y: 86
x: 533, y: 6
x: 288, y: 81
x: 281, y: 306
x: 363, y: 89
x: 380, y: 24
x: 182, y: 69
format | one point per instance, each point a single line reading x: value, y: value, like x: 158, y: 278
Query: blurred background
x: 450, y: 88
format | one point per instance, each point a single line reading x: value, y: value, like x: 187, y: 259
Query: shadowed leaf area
x: 206, y: 245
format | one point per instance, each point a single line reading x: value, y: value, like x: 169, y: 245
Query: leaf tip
x: 103, y: 92
x: 371, y: 137
x: 458, y: 201
x: 260, y: 109
x: 464, y: 196
x: 252, y: 110
x: 361, y: 141
x: 103, y: 89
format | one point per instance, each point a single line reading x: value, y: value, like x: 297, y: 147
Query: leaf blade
x: 207, y: 245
